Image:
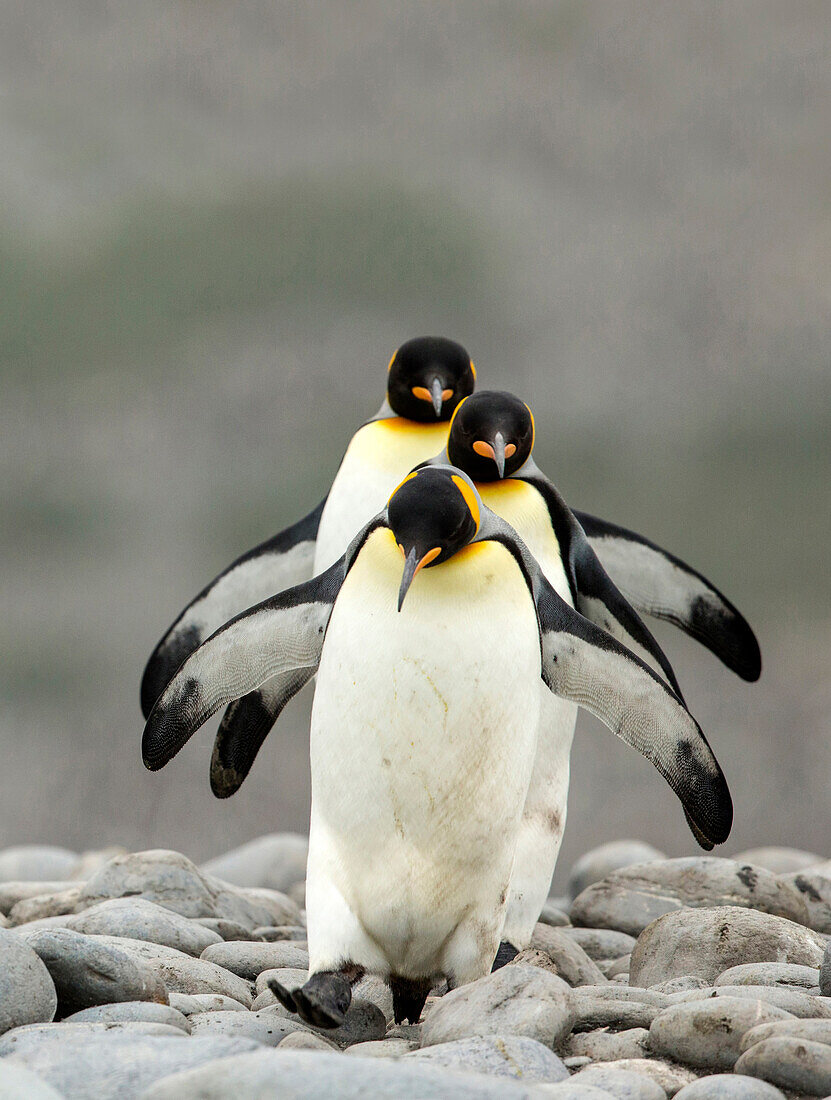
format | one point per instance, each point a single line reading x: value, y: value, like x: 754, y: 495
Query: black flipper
x: 594, y: 593
x: 281, y: 562
x: 659, y: 584
x: 279, y: 636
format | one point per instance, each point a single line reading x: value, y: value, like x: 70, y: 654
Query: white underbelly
x: 380, y: 455
x: 422, y: 742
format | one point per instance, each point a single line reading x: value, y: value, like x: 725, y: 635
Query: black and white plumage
x: 395, y: 728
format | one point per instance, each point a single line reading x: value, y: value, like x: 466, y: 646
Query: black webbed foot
x: 321, y: 1002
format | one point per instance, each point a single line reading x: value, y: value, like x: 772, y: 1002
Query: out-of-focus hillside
x: 217, y: 222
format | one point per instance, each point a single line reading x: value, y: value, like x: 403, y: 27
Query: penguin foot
x: 321, y: 1002
x: 506, y: 953
x: 408, y: 997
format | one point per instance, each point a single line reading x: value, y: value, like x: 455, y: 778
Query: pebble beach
x: 143, y: 976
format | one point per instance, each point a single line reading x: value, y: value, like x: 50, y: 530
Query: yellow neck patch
x: 469, y: 498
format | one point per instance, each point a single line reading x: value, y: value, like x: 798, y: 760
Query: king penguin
x: 426, y: 379
x: 429, y: 636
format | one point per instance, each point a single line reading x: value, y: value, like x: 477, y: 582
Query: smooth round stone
x: 130, y: 1012
x: 36, y: 862
x: 276, y: 861
x: 591, y: 1013
x: 795, y: 1001
x: 267, y: 1029
x: 683, y: 984
x: 571, y: 961
x: 706, y: 942
x: 786, y: 975
x: 249, y: 960
x: 669, y: 1077
x: 825, y: 972
x: 183, y: 973
x: 27, y: 992
x: 116, y: 1064
x: 708, y: 1033
x: 622, y: 1083
x: 225, y: 930
x: 173, y: 881
x: 729, y: 1086
x: 611, y: 991
x: 554, y: 915
x: 364, y: 1022
x: 308, y: 1040
x: 497, y: 1056
x: 532, y: 957
x: 790, y: 1063
x: 603, y: 1045
x: 95, y: 858
x: 57, y: 904
x: 818, y: 1031
x: 289, y: 976
x: 814, y: 884
x: 15, y: 890
x: 618, y: 968
x: 312, y: 1075
x: 88, y: 971
x: 573, y: 1090
x: 373, y: 989
x: 190, y: 1004
x: 516, y: 1000
x: 138, y: 919
x: 599, y: 862
x: 778, y: 860
x: 272, y: 934
x: 19, y: 1083
x: 602, y: 944
x: 382, y: 1048
x: 22, y: 1040
x: 631, y: 899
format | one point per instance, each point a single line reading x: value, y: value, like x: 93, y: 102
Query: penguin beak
x: 413, y: 562
x: 437, y: 392
x: 499, y: 450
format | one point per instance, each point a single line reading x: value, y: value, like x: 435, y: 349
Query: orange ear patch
x: 469, y: 497
x: 422, y: 393
x: 431, y: 555
x: 485, y: 449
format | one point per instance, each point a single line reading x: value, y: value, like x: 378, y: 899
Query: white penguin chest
x: 424, y: 722
x: 380, y: 455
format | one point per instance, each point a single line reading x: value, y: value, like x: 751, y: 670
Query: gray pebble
x: 383, y: 1048
x: 554, y: 915
x: 631, y: 899
x: 818, y: 1031
x: 274, y: 934
x: 276, y: 861
x: 777, y: 859
x: 602, y: 861
x: 618, y: 968
x: 116, y: 1065
x: 36, y: 862
x: 814, y: 884
x: 825, y: 972
x: 684, y: 984
x: 516, y: 1000
x: 23, y: 1040
x: 308, y: 1040
x: 729, y: 1086
x: 259, y: 1026
x: 573, y: 964
x: 787, y: 975
x: 139, y: 919
x: 227, y: 929
x: 496, y: 1056
x: 39, y: 906
x: 591, y: 1013
x: 88, y: 971
x: 706, y: 942
x: 18, y: 890
x: 669, y: 1076
x: 625, y: 1084
x: 312, y: 1075
x: 190, y: 1004
x: 364, y: 1022
x: 602, y: 944
x: 790, y: 1063
x: 795, y: 1001
x: 249, y: 960
x: 130, y: 1012
x: 603, y: 1045
x: 708, y: 1033
x: 573, y: 1090
x: 27, y: 992
x: 289, y: 976
x: 374, y: 989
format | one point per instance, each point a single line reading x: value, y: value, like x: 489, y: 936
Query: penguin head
x: 433, y: 513
x: 491, y: 435
x: 428, y: 377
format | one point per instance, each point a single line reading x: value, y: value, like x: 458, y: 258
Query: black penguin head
x: 433, y: 513
x: 491, y: 435
x: 428, y: 377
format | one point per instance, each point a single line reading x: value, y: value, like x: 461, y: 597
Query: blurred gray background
x: 218, y: 220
